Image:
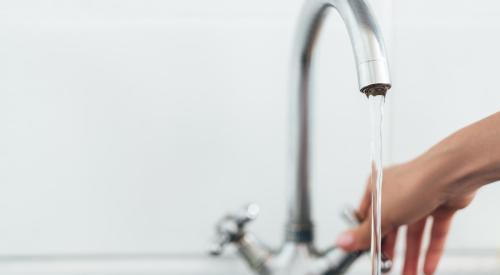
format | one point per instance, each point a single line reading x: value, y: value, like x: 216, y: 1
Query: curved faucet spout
x: 373, y: 79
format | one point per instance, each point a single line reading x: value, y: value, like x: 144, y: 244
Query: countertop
x: 456, y: 263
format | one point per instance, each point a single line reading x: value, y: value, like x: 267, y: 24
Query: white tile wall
x: 133, y: 126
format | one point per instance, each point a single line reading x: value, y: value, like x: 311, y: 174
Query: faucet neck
x: 372, y: 72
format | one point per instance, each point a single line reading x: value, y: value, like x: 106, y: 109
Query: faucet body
x: 298, y: 256
x: 372, y: 72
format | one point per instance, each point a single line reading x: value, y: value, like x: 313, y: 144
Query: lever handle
x: 231, y: 227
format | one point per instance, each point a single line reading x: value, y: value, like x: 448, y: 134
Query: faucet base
x: 304, y: 259
x: 299, y: 233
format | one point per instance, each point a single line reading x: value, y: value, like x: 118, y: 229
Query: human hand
x: 412, y: 195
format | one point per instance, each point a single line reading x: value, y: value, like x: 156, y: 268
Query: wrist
x: 432, y: 177
x: 449, y: 169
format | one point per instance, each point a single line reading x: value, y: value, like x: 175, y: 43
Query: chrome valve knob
x: 231, y: 227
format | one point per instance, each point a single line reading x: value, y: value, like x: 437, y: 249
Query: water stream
x: 376, y: 116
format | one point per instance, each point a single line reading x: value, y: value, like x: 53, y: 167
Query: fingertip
x: 429, y: 271
x: 354, y: 239
x: 346, y: 241
x: 430, y: 266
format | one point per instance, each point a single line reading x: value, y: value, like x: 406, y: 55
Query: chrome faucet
x: 298, y: 256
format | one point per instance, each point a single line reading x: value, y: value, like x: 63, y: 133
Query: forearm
x: 468, y: 159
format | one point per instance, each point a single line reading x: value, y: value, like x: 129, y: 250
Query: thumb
x: 357, y: 238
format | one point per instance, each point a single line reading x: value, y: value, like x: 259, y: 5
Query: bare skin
x: 431, y: 189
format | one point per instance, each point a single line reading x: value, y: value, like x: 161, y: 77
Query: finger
x: 357, y: 238
x: 413, y: 243
x: 364, y: 206
x: 389, y: 243
x: 439, y: 232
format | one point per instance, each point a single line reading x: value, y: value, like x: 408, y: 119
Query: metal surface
x: 297, y: 255
x: 373, y: 75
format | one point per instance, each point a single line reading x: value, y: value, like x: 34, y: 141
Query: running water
x: 376, y: 115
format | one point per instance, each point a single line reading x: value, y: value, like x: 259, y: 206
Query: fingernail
x: 345, y: 239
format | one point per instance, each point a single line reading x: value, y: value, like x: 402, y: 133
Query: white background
x: 132, y: 126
